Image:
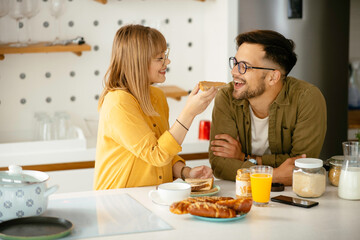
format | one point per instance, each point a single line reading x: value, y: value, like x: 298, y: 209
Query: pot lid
x: 16, y: 176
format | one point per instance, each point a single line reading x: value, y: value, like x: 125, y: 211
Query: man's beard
x: 247, y: 94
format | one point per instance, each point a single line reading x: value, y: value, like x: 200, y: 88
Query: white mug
x: 168, y: 193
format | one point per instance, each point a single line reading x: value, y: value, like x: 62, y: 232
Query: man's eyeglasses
x: 163, y: 59
x: 242, y: 66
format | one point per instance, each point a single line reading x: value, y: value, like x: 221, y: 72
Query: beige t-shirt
x: 259, y: 135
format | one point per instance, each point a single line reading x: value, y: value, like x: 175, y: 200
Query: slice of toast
x: 206, y: 85
x: 198, y: 185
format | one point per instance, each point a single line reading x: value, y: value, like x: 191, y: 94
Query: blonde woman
x: 135, y: 146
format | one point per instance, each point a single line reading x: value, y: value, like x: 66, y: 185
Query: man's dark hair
x: 277, y: 48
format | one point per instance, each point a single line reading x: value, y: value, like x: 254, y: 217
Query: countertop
x: 333, y: 218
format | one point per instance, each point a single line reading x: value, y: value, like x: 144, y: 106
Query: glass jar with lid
x: 309, y: 177
x: 243, y: 184
x: 334, y: 171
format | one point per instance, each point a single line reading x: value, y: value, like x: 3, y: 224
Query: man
x: 265, y: 117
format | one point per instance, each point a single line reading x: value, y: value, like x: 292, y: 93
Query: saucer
x: 155, y: 198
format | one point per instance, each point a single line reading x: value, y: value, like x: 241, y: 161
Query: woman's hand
x: 201, y: 172
x: 195, y: 104
x: 197, y: 101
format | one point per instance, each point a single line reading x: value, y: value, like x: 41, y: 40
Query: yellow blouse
x: 134, y: 149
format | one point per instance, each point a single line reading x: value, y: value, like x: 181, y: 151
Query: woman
x: 135, y: 146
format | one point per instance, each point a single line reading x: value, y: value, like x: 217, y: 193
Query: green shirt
x: 297, y: 125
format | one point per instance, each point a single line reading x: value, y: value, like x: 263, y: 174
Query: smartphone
x: 294, y: 201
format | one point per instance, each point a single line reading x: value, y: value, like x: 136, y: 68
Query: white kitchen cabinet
x: 72, y: 180
x: 82, y: 179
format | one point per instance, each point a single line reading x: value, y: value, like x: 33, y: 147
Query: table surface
x: 333, y: 218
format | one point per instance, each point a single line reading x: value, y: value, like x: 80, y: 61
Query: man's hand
x: 226, y: 146
x: 283, y: 173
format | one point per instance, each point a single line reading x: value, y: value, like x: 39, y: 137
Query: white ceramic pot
x: 24, y: 197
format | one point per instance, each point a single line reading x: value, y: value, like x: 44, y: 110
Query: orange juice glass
x: 261, y: 178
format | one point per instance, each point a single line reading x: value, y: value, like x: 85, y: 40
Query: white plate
x: 199, y: 194
x: 220, y: 219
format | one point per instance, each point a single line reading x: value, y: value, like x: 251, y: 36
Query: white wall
x: 208, y: 26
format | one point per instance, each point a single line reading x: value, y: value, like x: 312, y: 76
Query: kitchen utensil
x: 35, y: 228
x: 62, y: 125
x: 15, y: 175
x: 16, y: 12
x: 349, y: 182
x: 23, y: 193
x: 57, y: 8
x: 4, y: 10
x: 47, y: 130
x: 92, y: 123
x: 31, y: 9
x: 351, y: 150
x: 77, y: 40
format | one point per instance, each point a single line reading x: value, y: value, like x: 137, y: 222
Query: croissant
x: 206, y: 209
x: 180, y: 207
x: 210, y: 199
x: 214, y: 206
x: 241, y: 205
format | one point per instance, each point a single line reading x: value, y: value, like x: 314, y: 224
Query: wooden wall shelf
x: 102, y: 1
x: 174, y: 92
x: 43, y: 47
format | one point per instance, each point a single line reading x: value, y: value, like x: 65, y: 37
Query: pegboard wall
x: 200, y: 35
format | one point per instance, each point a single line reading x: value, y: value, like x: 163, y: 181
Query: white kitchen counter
x: 77, y: 155
x: 333, y: 218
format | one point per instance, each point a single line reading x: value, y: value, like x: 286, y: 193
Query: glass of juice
x: 261, y: 178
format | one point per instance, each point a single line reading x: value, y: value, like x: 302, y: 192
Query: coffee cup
x: 167, y: 193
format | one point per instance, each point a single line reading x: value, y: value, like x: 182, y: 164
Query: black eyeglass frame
x: 233, y: 60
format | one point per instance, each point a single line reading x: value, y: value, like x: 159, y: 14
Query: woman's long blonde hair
x: 133, y: 49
